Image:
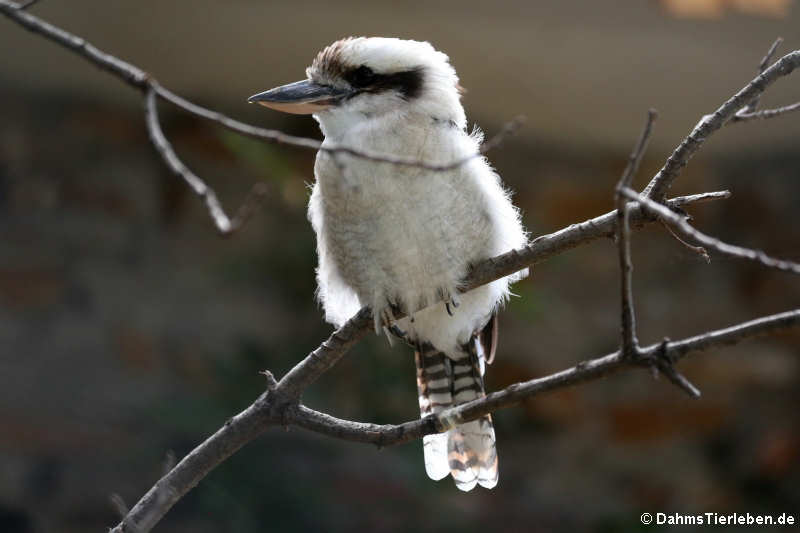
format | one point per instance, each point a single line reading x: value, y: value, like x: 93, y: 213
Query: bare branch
x: 680, y: 201
x: 224, y: 224
x: 262, y: 414
x: 131, y: 74
x: 743, y: 116
x: 665, y: 365
x: 540, y: 249
x: 660, y: 184
x: 278, y: 405
x: 762, y: 66
x: 138, y: 78
x: 278, y: 137
x: 635, y: 159
x: 684, y: 228
x: 514, y: 394
x: 629, y: 344
x: 326, y: 355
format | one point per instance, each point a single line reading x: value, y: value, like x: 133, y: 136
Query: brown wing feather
x: 488, y: 339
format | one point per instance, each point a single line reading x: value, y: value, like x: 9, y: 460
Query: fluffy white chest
x: 404, y: 236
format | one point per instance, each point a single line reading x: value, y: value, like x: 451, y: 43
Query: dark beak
x: 301, y: 97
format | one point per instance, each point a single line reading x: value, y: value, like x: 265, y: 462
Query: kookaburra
x: 396, y: 237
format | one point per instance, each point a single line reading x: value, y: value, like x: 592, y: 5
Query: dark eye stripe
x: 361, y: 77
x: 408, y: 82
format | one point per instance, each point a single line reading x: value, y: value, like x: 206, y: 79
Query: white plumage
x: 402, y: 236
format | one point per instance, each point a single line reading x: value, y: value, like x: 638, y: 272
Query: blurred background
x: 129, y: 330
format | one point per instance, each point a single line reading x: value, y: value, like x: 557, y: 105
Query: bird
x: 401, y: 238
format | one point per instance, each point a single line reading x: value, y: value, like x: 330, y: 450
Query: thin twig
x: 629, y: 344
x: 743, y: 116
x: 224, y: 224
x: 699, y: 250
x: 762, y: 66
x: 701, y: 198
x: 26, y: 4
x: 684, y: 228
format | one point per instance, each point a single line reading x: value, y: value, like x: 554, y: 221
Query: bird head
x: 372, y: 77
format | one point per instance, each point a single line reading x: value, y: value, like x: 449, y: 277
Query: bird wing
x: 487, y: 337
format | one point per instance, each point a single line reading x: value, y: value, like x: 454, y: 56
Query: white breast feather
x: 405, y: 236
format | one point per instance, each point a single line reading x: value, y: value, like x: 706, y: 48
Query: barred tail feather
x: 468, y: 451
x: 433, y: 385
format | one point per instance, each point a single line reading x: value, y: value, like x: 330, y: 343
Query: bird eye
x: 362, y: 76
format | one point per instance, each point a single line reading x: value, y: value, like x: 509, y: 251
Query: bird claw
x: 454, y: 302
x: 397, y: 332
x: 385, y: 320
x: 390, y: 327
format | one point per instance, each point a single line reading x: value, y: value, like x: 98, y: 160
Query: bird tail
x: 467, y: 451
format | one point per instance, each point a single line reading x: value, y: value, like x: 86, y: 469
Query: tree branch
x: 139, y: 79
x: 254, y: 420
x: 684, y: 228
x: 660, y: 184
x: 279, y: 404
x: 629, y: 344
x: 224, y: 225
x: 762, y: 66
x: 766, y: 113
x: 386, y: 435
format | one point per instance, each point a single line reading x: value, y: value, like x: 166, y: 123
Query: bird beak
x: 300, y: 98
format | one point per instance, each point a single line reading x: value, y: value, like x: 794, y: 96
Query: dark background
x: 129, y: 329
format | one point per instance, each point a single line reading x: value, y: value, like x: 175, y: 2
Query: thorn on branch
x: 272, y: 383
x: 664, y: 364
x: 169, y: 462
x: 119, y: 505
